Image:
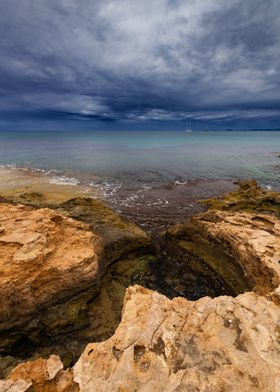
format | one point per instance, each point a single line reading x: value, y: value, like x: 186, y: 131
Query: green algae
x: 249, y: 197
x: 194, y: 242
x: 183, y: 261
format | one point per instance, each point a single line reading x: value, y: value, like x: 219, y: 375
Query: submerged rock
x: 249, y: 197
x: 221, y: 344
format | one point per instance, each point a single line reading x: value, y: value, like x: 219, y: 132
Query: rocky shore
x: 90, y: 302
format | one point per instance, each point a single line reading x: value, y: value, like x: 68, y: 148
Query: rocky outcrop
x: 254, y: 241
x: 238, y: 237
x: 248, y: 197
x: 118, y: 236
x: 45, y: 257
x: 42, y: 375
x: 50, y: 273
x: 214, y: 345
x: 210, y: 345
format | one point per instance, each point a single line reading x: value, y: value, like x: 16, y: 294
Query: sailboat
x: 190, y: 127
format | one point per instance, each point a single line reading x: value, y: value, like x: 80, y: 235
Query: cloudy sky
x: 129, y: 64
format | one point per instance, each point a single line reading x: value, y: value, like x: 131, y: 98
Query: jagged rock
x: 45, y: 257
x: 211, y: 345
x: 118, y: 236
x: 254, y: 241
x: 223, y: 344
x: 227, y: 240
x: 249, y: 197
x: 51, y: 268
x: 40, y: 376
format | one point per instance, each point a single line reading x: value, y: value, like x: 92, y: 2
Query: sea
x: 159, y: 172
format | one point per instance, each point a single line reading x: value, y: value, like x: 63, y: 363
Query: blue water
x: 147, y: 157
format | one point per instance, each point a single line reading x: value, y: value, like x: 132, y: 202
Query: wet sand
x: 19, y: 182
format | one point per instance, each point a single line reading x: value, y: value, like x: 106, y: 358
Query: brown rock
x: 212, y: 345
x: 254, y: 241
x: 45, y: 256
x: 222, y: 344
x: 40, y: 376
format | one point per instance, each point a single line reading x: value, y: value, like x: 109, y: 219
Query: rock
x: 223, y: 344
x: 118, y: 236
x: 50, y: 273
x: 198, y: 252
x: 227, y: 241
x: 209, y: 345
x: 45, y: 257
x: 254, y: 241
x: 40, y: 376
x: 249, y: 197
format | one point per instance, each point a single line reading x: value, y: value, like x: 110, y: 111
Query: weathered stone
x: 249, y: 197
x: 51, y: 268
x: 223, y: 344
x: 210, y: 345
x: 40, y: 376
x: 254, y: 241
x: 118, y: 236
x: 45, y: 257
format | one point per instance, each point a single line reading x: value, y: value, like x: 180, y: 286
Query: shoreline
x: 154, y: 206
x: 16, y: 181
x: 76, y: 274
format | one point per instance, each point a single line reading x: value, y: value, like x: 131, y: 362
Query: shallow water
x: 152, y: 169
x: 146, y: 156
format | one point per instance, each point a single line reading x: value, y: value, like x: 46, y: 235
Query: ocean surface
x: 128, y: 166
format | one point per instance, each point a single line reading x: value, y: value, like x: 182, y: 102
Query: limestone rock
x: 249, y: 197
x: 223, y: 344
x: 118, y: 236
x: 254, y: 241
x: 45, y: 256
x: 40, y: 376
x: 52, y: 264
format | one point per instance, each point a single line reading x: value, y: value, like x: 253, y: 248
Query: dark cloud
x: 92, y: 63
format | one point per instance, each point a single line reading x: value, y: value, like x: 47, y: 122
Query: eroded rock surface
x: 51, y: 269
x: 238, y: 237
x: 210, y: 345
x: 254, y: 240
x: 42, y: 375
x: 45, y: 257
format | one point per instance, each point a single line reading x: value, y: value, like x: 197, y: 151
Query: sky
x: 131, y: 64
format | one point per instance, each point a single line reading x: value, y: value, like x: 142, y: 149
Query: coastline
x: 16, y: 181
x: 86, y: 292
x: 154, y: 206
x: 75, y: 274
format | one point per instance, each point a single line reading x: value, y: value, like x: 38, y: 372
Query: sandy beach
x: 23, y: 182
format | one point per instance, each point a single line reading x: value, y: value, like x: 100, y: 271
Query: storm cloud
x: 132, y: 64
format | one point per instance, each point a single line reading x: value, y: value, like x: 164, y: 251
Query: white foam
x: 63, y: 180
x: 177, y: 182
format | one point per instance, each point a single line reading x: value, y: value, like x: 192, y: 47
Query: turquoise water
x: 145, y: 157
